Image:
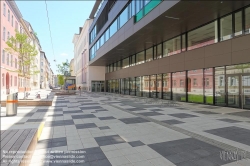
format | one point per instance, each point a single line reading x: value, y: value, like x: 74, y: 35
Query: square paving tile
x: 243, y: 114
x: 182, y: 115
x: 172, y: 121
x: 106, y: 118
x: 83, y: 116
x: 55, y: 115
x: 205, y: 112
x: 135, y: 109
x: 229, y: 120
x: 90, y: 107
x: 100, y: 110
x: 150, y: 113
x: 133, y: 120
x: 34, y: 120
x: 179, y: 108
x: 72, y: 112
x: 59, y: 123
x: 85, y: 126
x: 104, y: 127
x: 156, y: 110
x: 136, y: 143
x: 189, y: 151
x: 109, y: 140
x: 45, y: 110
x: 237, y: 134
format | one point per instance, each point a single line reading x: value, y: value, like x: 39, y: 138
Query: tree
x: 60, y: 80
x: 21, y: 45
x: 64, y: 69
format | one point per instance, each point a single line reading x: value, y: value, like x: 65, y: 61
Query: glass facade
x: 138, y: 86
x: 208, y: 86
x: 226, y: 28
x: 159, y: 86
x: 149, y: 54
x: 167, y: 86
x: 179, y: 86
x: 220, y: 90
x: 202, y: 36
x: 152, y: 86
x: 195, y: 86
x: 172, y: 47
x: 126, y: 86
x: 145, y: 86
x: 247, y: 20
x: 132, y: 86
x: 140, y: 58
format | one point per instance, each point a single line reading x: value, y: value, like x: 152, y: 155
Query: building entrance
x: 238, y: 90
x: 97, y: 86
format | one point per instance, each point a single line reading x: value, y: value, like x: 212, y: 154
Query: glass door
x: 245, y: 98
x: 98, y: 87
x: 233, y: 90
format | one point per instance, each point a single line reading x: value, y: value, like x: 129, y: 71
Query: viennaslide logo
x: 232, y: 155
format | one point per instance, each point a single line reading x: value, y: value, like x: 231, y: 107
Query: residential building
x: 72, y: 67
x: 34, y: 78
x: 90, y: 78
x: 189, y: 51
x: 44, y: 71
x: 10, y: 17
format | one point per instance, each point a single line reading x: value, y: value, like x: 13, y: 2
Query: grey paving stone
x: 90, y: 107
x: 205, y: 112
x: 72, y: 112
x: 172, y: 121
x: 106, y: 118
x: 56, y: 144
x: 179, y: 108
x: 182, y: 115
x: 85, y: 126
x: 233, y: 133
x: 25, y: 115
x: 133, y: 120
x: 83, y: 116
x: 109, y: 140
x: 34, y: 120
x: 64, y: 101
x: 243, y: 114
x: 229, y: 120
x: 135, y: 109
x: 211, y: 107
x: 61, y: 139
x: 156, y: 110
x: 150, y: 113
x: 55, y: 115
x: 100, y: 110
x: 104, y: 127
x: 136, y: 143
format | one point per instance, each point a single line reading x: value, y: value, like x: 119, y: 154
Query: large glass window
x: 149, y: 54
x: 159, y: 51
x: 123, y: 17
x: 202, y: 36
x: 166, y: 83
x: 179, y: 86
x: 220, y: 86
x: 195, y: 86
x: 132, y: 60
x: 113, y: 28
x: 122, y: 85
x: 107, y: 35
x: 140, y: 58
x: 145, y: 86
x: 118, y: 65
x: 117, y: 86
x: 138, y: 86
x: 126, y: 86
x: 172, y: 47
x: 125, y: 63
x: 208, y: 85
x: 183, y: 42
x: 132, y: 8
x: 159, y: 86
x: 132, y: 86
x: 238, y: 23
x: 102, y: 40
x: 152, y: 86
x: 226, y: 29
x: 247, y: 20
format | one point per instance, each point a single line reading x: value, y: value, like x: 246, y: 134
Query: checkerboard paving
x: 94, y: 129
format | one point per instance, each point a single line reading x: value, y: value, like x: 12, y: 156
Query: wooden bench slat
x: 25, y: 145
x: 5, y: 134
x: 7, y: 138
x: 17, y: 145
x: 11, y: 142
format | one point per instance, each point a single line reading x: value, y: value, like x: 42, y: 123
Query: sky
x: 65, y: 19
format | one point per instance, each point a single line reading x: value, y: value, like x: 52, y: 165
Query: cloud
x: 64, y: 54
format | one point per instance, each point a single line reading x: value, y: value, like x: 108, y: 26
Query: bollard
x: 11, y: 104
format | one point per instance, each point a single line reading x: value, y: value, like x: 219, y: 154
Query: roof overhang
x: 95, y: 8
